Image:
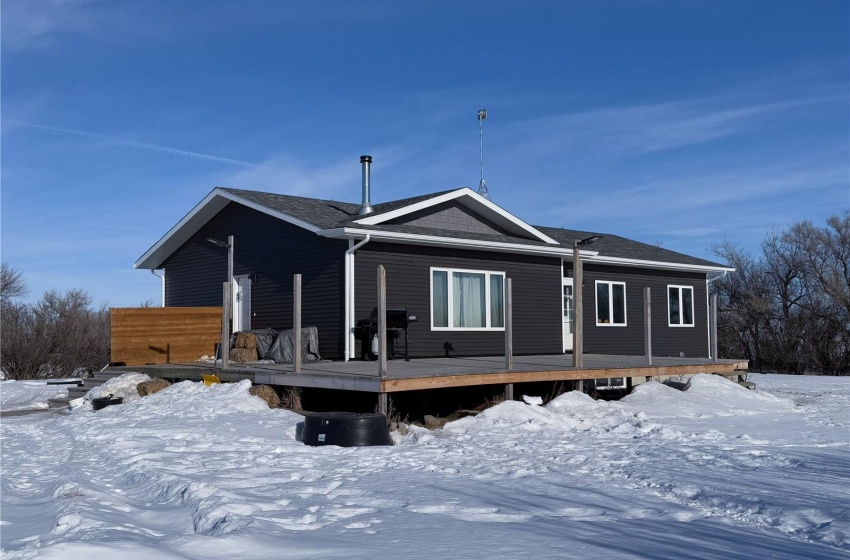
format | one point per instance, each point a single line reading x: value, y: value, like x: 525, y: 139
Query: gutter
x: 708, y: 305
x: 349, y: 294
x: 435, y: 241
x: 162, y: 278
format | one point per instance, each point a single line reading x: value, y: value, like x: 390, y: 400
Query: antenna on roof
x: 482, y: 186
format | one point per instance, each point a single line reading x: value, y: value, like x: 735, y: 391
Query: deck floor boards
x: 424, y: 373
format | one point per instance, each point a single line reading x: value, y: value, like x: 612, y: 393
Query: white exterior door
x: 241, y: 303
x: 568, y: 313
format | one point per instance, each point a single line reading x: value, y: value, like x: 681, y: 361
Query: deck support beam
x: 647, y: 325
x: 382, y: 321
x: 714, y: 328
x: 225, y: 326
x: 578, y: 321
x: 509, y: 326
x: 296, y: 323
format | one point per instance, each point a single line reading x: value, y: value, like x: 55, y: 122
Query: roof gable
x: 302, y: 212
x: 485, y: 211
x: 449, y: 216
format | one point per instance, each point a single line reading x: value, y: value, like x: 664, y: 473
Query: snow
x: 29, y: 395
x: 123, y: 386
x: 211, y: 472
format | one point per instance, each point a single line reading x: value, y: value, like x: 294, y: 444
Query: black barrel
x: 345, y: 429
x: 103, y: 402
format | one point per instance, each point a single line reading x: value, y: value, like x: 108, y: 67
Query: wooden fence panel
x: 163, y: 335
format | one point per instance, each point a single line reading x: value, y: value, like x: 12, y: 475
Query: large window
x: 610, y: 304
x: 467, y: 299
x: 680, y: 306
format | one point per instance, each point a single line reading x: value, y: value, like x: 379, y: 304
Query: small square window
x: 610, y: 303
x: 680, y: 306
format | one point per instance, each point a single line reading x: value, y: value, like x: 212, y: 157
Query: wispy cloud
x: 642, y: 129
x: 33, y: 24
x: 134, y: 144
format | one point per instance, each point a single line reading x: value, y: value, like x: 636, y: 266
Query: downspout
x: 349, y: 294
x: 153, y: 271
x: 708, y: 307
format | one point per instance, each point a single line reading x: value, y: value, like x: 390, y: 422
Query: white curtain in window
x: 497, y: 300
x: 469, y: 299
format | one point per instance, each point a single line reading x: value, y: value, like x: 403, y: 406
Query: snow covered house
x: 447, y: 256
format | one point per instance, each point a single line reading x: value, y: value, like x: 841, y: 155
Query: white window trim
x: 450, y: 295
x: 681, y: 314
x: 610, y: 303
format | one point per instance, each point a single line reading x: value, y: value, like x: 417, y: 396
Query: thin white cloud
x: 32, y: 24
x: 134, y: 144
x: 638, y: 130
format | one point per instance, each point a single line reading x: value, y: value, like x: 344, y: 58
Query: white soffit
x: 474, y: 202
x: 202, y: 213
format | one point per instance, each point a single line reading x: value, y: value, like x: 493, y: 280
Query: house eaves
x: 601, y: 259
x: 470, y: 199
x: 203, y: 212
x: 377, y: 234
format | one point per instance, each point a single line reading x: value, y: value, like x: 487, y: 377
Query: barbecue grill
x: 398, y: 320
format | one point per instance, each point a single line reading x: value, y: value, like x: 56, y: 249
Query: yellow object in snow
x: 210, y: 379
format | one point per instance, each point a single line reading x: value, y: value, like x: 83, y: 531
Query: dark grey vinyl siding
x: 274, y: 250
x: 629, y: 340
x: 536, y: 297
x: 450, y: 216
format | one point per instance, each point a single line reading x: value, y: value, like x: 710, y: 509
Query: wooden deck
x: 438, y: 373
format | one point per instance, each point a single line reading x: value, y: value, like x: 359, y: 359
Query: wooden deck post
x: 578, y: 322
x: 382, y: 321
x: 383, y: 404
x: 647, y: 325
x: 714, y: 328
x: 509, y: 327
x: 225, y: 326
x: 509, y: 391
x: 296, y: 323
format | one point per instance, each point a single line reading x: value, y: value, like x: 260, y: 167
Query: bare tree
x: 12, y: 285
x: 789, y: 310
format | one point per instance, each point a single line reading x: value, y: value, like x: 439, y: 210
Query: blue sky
x: 680, y: 122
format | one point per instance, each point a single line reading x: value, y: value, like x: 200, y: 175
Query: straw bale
x: 266, y: 393
x: 246, y: 340
x: 242, y: 355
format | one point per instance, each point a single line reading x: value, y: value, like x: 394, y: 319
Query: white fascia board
x: 436, y: 241
x: 657, y: 264
x: 480, y: 204
x: 203, y: 212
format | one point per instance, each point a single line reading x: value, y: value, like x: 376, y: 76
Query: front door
x: 241, y: 303
x: 568, y: 314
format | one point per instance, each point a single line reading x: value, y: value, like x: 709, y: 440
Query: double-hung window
x: 610, y: 304
x: 680, y: 306
x: 467, y: 299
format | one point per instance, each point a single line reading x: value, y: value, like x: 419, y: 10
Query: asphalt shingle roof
x: 329, y: 214
x: 616, y: 246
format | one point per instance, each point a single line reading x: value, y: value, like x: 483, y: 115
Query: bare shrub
x: 55, y: 336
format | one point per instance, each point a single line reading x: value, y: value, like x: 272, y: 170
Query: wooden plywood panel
x: 162, y: 335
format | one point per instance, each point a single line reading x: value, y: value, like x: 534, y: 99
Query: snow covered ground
x: 210, y: 472
x: 26, y: 395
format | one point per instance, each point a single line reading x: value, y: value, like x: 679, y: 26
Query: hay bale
x: 146, y: 388
x: 266, y: 393
x: 242, y: 355
x: 246, y: 340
